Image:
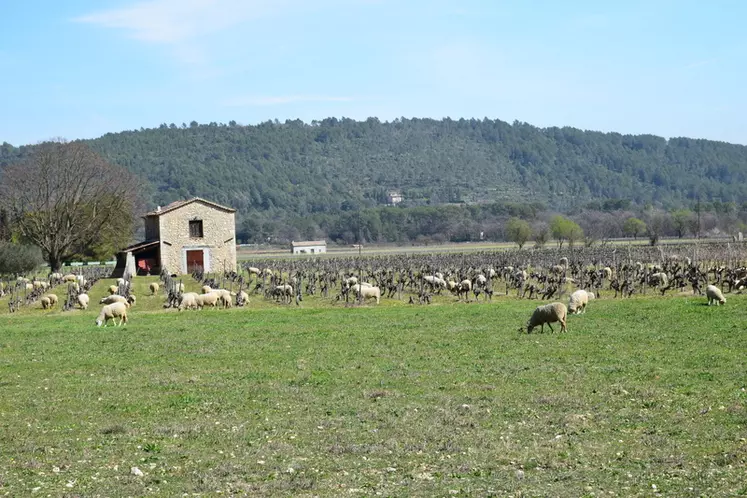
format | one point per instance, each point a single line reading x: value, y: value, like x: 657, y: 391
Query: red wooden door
x: 195, y: 261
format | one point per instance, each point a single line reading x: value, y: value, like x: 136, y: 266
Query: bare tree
x: 65, y: 198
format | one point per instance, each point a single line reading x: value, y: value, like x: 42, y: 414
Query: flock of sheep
x: 463, y: 275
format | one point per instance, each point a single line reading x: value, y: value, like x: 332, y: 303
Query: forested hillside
x: 292, y: 170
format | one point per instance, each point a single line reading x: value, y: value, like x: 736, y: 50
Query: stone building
x: 182, y: 237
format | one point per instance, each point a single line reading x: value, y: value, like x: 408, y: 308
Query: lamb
x: 714, y: 294
x: 188, y: 301
x: 83, y: 301
x: 367, y: 292
x: 112, y: 312
x: 547, y: 314
x: 284, y: 292
x: 45, y: 302
x: 113, y: 289
x: 578, y: 301
x: 154, y: 288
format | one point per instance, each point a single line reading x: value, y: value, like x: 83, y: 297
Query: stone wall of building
x: 218, y: 241
x: 151, y: 228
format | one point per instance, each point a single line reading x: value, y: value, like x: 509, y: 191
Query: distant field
x: 642, y: 397
x: 247, y: 253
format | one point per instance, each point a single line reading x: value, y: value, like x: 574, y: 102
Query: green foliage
x: 563, y: 229
x: 518, y: 231
x: 684, y: 221
x: 634, y: 227
x: 19, y: 258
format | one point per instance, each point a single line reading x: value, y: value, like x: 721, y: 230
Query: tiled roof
x: 307, y: 243
x: 178, y: 204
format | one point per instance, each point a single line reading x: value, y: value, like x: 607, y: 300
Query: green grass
x: 396, y: 400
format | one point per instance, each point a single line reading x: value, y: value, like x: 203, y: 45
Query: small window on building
x: 195, y: 228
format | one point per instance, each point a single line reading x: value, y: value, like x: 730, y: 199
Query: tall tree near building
x: 66, y: 199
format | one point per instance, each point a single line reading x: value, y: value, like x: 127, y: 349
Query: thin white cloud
x: 697, y: 64
x: 175, y: 21
x: 281, y: 100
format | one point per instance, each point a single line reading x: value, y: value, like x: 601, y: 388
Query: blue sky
x: 82, y: 68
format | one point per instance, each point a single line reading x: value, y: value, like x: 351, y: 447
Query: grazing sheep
x: 242, y: 298
x: 112, y: 312
x: 547, y: 314
x: 45, y: 302
x: 114, y: 298
x: 607, y: 273
x: 154, y: 288
x: 29, y: 286
x: 208, y: 299
x: 40, y: 284
x: 206, y: 289
x: 658, y: 279
x: 188, y: 301
x: 714, y: 294
x: 591, y: 295
x: 52, y: 299
x: 254, y: 270
x: 83, y: 301
x: 132, y: 299
x: 70, y: 277
x: 578, y: 301
x: 367, y: 292
x: 113, y: 289
x: 55, y: 276
x: 224, y: 297
x: 283, y: 292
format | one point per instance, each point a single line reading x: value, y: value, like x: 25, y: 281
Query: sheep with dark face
x: 547, y: 314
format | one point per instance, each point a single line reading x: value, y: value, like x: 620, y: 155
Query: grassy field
x: 642, y: 397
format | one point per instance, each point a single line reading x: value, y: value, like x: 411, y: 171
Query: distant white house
x: 309, y: 247
x: 393, y: 198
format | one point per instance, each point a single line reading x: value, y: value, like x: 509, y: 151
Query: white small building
x: 393, y: 198
x: 309, y: 247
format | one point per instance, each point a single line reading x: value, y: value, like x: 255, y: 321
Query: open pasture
x: 642, y: 396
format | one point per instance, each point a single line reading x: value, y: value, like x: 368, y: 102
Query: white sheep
x: 206, y: 289
x: 51, y: 298
x: 714, y: 295
x: 188, y: 301
x: 607, y: 272
x: 658, y: 279
x: 154, y: 288
x: 208, y: 299
x: 224, y: 296
x: 242, y: 297
x: 83, y: 301
x: 367, y: 292
x: 578, y: 301
x: 45, y: 302
x: 29, y: 286
x: 548, y: 314
x: 40, y: 284
x: 114, y: 298
x: 254, y: 270
x: 113, y: 289
x: 112, y: 312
